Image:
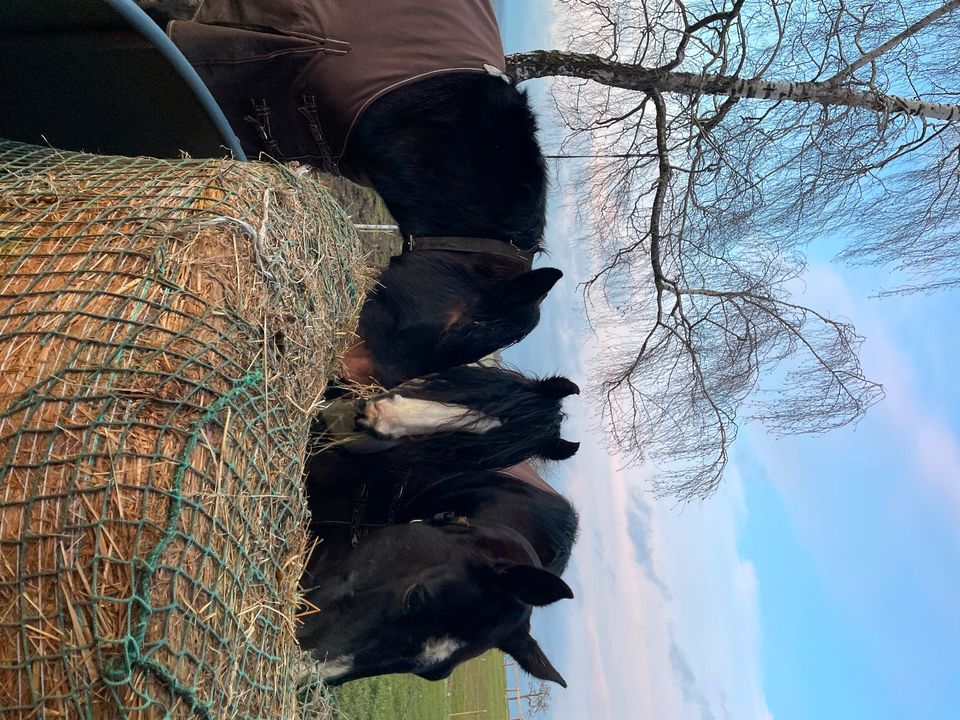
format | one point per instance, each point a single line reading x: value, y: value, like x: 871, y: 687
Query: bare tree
x: 722, y: 137
x: 537, y: 698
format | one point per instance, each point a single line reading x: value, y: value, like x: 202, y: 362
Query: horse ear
x: 533, y: 585
x: 557, y: 387
x: 531, y: 287
x: 559, y: 449
x: 525, y: 650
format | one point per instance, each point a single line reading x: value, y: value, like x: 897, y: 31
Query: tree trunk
x: 547, y: 63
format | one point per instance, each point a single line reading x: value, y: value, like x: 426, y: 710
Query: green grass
x: 479, y: 684
x: 476, y: 685
x: 397, y: 697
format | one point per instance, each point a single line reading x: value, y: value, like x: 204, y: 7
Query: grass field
x: 475, y: 691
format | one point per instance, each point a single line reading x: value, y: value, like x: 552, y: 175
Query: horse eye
x: 414, y: 598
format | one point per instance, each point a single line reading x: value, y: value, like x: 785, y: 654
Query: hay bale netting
x: 165, y: 330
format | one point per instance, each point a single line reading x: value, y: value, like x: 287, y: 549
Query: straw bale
x: 166, y: 332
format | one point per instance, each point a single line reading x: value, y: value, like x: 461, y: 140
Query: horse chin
x: 337, y: 656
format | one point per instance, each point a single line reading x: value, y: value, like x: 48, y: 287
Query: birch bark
x: 550, y: 63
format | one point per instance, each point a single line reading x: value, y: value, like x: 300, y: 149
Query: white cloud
x: 909, y: 427
x: 665, y: 621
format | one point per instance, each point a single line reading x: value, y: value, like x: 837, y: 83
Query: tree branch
x: 894, y: 41
x: 551, y: 63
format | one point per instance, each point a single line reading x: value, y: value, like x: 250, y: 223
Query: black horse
x: 417, y: 574
x: 435, y: 310
x: 467, y: 417
x: 408, y: 96
x: 457, y: 156
x: 423, y: 597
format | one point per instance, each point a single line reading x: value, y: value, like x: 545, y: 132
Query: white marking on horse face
x: 333, y: 669
x: 436, y: 651
x: 396, y: 416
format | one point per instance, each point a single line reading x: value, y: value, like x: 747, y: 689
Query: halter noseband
x: 484, y: 246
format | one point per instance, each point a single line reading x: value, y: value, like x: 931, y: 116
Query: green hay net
x: 166, y: 331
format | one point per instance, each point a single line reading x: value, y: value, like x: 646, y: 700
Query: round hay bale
x: 166, y: 332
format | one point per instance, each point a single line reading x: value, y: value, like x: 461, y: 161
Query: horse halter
x: 358, y: 525
x: 483, y: 246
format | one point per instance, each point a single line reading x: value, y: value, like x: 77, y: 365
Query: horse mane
x: 496, y: 497
x: 470, y: 384
x: 456, y: 154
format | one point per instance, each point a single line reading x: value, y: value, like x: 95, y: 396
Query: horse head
x: 467, y: 417
x: 425, y: 596
x: 451, y: 155
x: 439, y: 309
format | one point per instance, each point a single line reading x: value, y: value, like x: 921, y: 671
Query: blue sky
x: 822, y: 581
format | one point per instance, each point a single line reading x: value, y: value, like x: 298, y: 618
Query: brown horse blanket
x: 525, y: 473
x: 294, y: 76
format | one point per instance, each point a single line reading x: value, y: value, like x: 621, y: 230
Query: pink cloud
x: 630, y: 633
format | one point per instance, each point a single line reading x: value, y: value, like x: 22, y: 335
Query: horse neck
x: 489, y: 181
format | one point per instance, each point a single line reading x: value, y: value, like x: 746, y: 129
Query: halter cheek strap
x: 485, y: 246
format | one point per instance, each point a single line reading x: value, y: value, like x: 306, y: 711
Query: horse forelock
x: 469, y: 384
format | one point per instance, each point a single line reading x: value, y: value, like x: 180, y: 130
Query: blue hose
x: 144, y: 25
